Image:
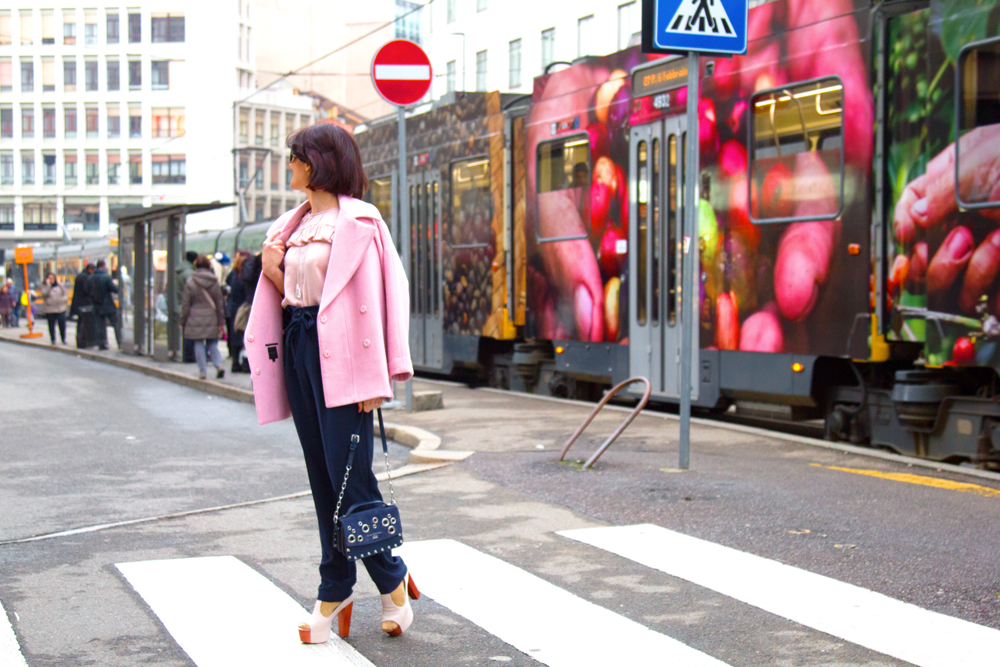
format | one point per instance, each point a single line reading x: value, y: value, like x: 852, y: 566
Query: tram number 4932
x: 661, y: 101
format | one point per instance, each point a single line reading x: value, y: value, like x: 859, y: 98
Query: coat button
x: 257, y: 371
x: 249, y: 338
x: 322, y: 319
x: 364, y: 309
x: 367, y: 342
x: 326, y: 354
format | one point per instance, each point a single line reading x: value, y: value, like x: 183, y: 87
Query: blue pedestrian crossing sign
x: 710, y: 26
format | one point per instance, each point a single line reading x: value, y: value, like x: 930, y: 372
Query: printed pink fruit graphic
x: 963, y: 352
x: 727, y: 322
x: 778, y: 192
x: 608, y: 256
x: 761, y: 331
x: 708, y: 131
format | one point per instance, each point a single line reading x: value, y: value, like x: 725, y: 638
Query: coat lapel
x: 286, y: 230
x: 350, y: 241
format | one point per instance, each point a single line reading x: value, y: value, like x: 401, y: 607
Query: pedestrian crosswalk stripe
x: 224, y: 613
x: 10, y: 652
x: 701, y: 17
x: 548, y: 623
x: 875, y: 621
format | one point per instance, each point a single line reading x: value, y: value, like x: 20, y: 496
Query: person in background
x: 6, y: 305
x: 184, y: 271
x: 54, y: 307
x: 203, y: 317
x: 83, y: 309
x: 15, y: 296
x: 236, y: 295
x: 102, y: 289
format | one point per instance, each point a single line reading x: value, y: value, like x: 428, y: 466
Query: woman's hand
x: 272, y: 260
x: 370, y: 404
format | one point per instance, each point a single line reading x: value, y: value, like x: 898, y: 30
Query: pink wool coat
x: 362, y: 324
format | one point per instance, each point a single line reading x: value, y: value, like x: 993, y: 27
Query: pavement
x: 770, y: 550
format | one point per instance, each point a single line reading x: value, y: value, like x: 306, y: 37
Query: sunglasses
x: 295, y: 155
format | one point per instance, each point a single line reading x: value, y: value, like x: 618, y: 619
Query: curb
x: 423, y: 443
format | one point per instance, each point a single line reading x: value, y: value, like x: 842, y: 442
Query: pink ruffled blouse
x: 307, y: 255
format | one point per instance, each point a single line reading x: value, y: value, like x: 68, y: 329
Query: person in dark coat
x: 236, y: 296
x: 203, y: 316
x: 184, y: 271
x: 82, y: 308
x: 6, y: 305
x: 102, y: 290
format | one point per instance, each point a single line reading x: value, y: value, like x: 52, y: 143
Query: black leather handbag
x: 370, y: 527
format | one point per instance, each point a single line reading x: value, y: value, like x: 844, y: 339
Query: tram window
x: 655, y: 305
x: 641, y: 217
x: 471, y: 204
x: 563, y: 168
x: 415, y: 253
x: 979, y: 112
x: 672, y: 221
x: 788, y: 123
x: 380, y: 194
x: 435, y: 239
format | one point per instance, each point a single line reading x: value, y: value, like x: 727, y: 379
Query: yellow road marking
x: 920, y: 479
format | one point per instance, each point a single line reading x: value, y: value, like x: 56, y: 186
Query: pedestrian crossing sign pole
x: 694, y: 26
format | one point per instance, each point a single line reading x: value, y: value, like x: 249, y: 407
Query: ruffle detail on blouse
x: 312, y: 232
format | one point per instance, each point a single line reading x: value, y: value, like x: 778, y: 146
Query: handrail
x: 614, y: 436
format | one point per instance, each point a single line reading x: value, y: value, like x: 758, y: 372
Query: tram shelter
x: 150, y: 249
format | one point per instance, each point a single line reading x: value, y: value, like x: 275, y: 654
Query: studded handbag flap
x: 371, y: 527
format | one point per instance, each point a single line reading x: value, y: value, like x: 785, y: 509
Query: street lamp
x: 462, y: 34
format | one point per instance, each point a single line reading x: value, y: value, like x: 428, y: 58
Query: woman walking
x: 202, y: 316
x: 327, y: 336
x: 6, y: 305
x: 54, y: 306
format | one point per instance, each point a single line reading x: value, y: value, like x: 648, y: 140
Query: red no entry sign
x: 401, y: 72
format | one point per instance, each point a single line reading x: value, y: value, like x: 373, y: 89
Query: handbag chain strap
x: 355, y: 439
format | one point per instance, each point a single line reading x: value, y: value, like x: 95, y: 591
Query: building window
x: 48, y: 75
x: 112, y: 28
x: 275, y: 172
x: 514, y: 80
x: 48, y: 27
x: 258, y: 128
x: 258, y: 174
x: 7, y: 168
x: 49, y: 170
x: 244, y: 172
x: 83, y: 216
x: 168, y: 28
x: 69, y: 75
x: 450, y: 78
x: 69, y: 124
x: 69, y: 168
x: 7, y: 123
x: 69, y: 28
x: 27, y: 122
x: 49, y: 123
x: 245, y: 125
x: 135, y: 168
x: 275, y: 128
x: 288, y: 178
x: 548, y: 47
x: 27, y: 28
x: 90, y: 74
x: 114, y: 72
x: 160, y: 79
x: 168, y: 122
x: 40, y: 217
x: 90, y: 27
x: 6, y: 210
x: 92, y: 119
x: 114, y: 122
x: 305, y: 121
x: 6, y: 34
x: 275, y: 208
x: 481, y: 71
x: 628, y: 15
x: 27, y: 76
x: 258, y: 209
x: 93, y: 169
x: 134, y: 28
x: 408, y: 21
x: 135, y: 123
x: 134, y: 74
x: 169, y: 169
x: 451, y: 11
x: 585, y: 36
x: 114, y: 161
x: 6, y: 76
x: 27, y: 168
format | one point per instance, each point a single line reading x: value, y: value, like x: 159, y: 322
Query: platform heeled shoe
x: 317, y: 630
x: 396, y: 618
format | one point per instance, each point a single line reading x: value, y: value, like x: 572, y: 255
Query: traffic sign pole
x: 26, y: 255
x: 404, y: 221
x: 689, y: 293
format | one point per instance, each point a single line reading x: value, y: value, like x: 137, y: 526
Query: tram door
x: 656, y: 223
x: 426, y: 327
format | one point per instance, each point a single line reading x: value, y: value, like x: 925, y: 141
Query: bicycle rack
x: 614, y: 436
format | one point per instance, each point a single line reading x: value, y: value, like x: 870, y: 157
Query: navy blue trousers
x: 325, y: 434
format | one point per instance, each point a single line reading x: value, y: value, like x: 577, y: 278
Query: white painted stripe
x: 860, y: 616
x: 549, y: 624
x: 223, y: 613
x: 10, y: 652
x: 403, y: 72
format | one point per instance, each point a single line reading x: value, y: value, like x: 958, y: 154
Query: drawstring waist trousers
x: 325, y: 434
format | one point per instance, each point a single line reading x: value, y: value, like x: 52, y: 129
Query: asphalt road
x: 85, y: 444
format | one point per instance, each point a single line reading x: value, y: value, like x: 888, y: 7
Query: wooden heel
x: 344, y: 620
x: 411, y: 588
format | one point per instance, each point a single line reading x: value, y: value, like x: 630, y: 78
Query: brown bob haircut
x: 203, y: 262
x: 334, y: 157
